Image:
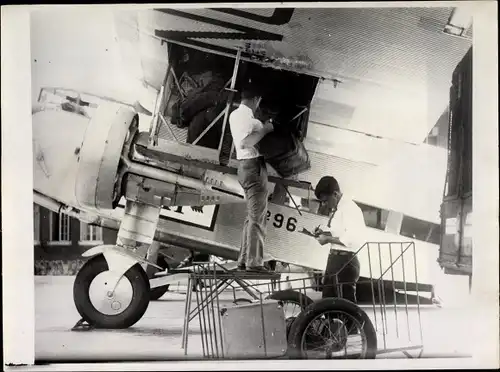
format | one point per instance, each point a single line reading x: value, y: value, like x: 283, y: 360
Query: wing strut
x: 230, y: 102
x: 293, y: 200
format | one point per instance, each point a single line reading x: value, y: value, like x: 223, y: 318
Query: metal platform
x: 397, y: 325
x: 214, y: 279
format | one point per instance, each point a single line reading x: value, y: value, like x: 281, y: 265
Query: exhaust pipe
x: 57, y: 207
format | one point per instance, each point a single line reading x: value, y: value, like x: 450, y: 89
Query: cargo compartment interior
x: 285, y: 95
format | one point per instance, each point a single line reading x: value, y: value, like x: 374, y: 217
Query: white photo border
x: 17, y: 201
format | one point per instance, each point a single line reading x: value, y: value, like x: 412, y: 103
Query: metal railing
x: 393, y: 278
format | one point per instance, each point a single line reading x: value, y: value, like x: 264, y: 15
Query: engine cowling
x: 99, y: 158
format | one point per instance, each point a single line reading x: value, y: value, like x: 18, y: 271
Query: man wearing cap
x: 346, y: 227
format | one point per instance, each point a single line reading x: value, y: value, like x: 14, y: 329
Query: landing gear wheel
x: 102, y: 307
x: 293, y: 298
x: 158, y: 292
x: 328, y: 327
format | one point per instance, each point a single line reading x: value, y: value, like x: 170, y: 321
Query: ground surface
x: 158, y: 334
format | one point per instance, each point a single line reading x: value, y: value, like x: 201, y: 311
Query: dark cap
x: 327, y: 185
x: 250, y: 90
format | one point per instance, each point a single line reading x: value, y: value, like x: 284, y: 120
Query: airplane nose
x: 76, y: 158
x: 57, y: 140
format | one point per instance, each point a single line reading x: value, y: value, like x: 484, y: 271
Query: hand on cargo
x: 269, y: 125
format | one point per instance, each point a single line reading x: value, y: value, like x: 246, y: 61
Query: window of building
x: 420, y: 230
x: 36, y: 223
x: 60, y: 228
x: 374, y: 217
x: 90, y: 233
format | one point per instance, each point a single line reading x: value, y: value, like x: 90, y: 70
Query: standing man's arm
x: 258, y: 133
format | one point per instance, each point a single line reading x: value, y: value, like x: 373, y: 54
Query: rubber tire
x: 289, y: 322
x: 138, y: 306
x: 330, y: 304
x: 289, y: 295
x: 158, y: 292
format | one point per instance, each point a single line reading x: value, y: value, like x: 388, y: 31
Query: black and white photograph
x: 281, y: 183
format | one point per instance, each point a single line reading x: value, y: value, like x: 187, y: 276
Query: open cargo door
x: 197, y: 88
x: 455, y: 254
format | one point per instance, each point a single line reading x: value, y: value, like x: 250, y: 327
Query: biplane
x: 357, y: 89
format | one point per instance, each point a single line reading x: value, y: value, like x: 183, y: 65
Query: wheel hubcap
x: 109, y: 294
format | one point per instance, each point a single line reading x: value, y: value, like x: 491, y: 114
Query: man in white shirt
x: 247, y: 131
x: 347, y: 229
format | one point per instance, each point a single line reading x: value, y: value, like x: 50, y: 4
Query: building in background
x: 60, y: 240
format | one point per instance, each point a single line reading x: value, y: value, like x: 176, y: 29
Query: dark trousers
x: 252, y: 175
x: 342, y: 285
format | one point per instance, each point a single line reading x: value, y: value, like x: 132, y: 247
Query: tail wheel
x: 332, y: 328
x: 158, y: 292
x: 105, y: 307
